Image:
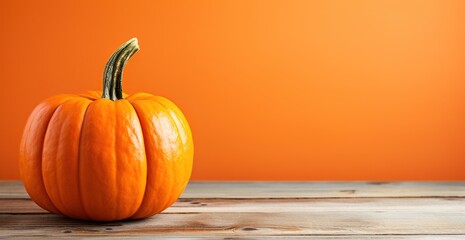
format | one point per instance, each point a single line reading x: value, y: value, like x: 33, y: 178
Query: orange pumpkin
x: 106, y: 156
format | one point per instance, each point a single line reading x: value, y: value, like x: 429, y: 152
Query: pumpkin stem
x: 113, y: 74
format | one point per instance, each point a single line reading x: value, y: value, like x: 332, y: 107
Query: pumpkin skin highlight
x: 94, y: 158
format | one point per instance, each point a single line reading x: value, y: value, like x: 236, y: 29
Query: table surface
x: 274, y: 210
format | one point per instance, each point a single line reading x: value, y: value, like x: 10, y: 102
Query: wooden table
x: 273, y: 210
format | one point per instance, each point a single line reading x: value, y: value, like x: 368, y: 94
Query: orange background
x: 273, y: 90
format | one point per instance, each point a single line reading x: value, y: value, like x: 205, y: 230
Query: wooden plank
x: 251, y: 237
x: 323, y: 189
x: 199, y: 189
x: 266, y: 224
x: 440, y: 205
x: 19, y: 206
x: 266, y: 217
x: 12, y: 189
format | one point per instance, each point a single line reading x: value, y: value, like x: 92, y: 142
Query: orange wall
x: 273, y: 90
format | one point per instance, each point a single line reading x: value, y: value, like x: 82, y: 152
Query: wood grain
x: 256, y: 210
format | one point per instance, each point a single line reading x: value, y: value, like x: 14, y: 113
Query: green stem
x: 113, y: 74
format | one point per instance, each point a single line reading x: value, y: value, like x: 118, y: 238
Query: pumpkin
x: 106, y: 156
